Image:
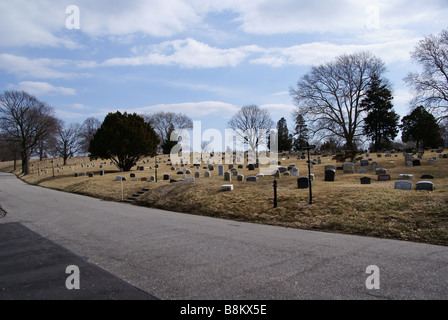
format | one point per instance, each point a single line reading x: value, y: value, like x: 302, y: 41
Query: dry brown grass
x: 343, y: 206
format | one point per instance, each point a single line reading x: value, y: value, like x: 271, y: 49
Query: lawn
x: 343, y: 206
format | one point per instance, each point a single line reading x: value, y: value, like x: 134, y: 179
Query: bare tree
x: 330, y: 96
x: 431, y: 86
x: 164, y: 122
x: 68, y: 141
x: 25, y: 120
x: 251, y: 124
x: 86, y: 132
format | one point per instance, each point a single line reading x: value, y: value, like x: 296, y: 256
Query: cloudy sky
x: 204, y: 58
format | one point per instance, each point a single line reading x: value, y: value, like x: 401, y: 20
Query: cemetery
x: 383, y: 195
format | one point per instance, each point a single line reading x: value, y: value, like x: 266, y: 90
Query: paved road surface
x: 178, y: 256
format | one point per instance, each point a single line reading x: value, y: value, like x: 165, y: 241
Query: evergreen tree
x: 301, y: 131
x: 124, y: 138
x: 284, y: 138
x: 167, y: 144
x: 421, y: 127
x: 381, y: 124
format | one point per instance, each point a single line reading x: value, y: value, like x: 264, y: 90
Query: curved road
x: 185, y: 257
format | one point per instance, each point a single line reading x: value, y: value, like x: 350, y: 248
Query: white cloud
x: 192, y: 109
x: 320, y: 52
x: 187, y: 53
x: 279, y: 109
x: 43, y: 88
x: 34, y: 68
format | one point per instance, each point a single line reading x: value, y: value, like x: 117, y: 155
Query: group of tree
x: 349, y: 99
x: 29, y: 127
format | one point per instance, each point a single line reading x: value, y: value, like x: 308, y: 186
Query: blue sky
x: 203, y: 58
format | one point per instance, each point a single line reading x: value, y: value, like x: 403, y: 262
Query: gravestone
x: 234, y: 172
x: 240, y: 166
x: 132, y: 175
x: 374, y: 166
x: 90, y: 174
x: 211, y: 167
x: 144, y: 179
x: 240, y: 177
x: 207, y: 174
x: 362, y: 170
x: 227, y: 187
x: 329, y: 175
x: 117, y: 178
x: 416, y: 162
x: 252, y: 179
x: 425, y: 185
x: 366, y: 180
x: 190, y: 179
x: 403, y: 185
x: 379, y: 171
x: 303, y: 183
x: 330, y: 166
x: 282, y: 169
x: 319, y: 160
x: 406, y: 176
x: 276, y: 174
x: 180, y: 172
x: 349, y: 168
x: 427, y: 177
x: 251, y: 167
x: 227, y: 176
x: 294, y: 172
x: 173, y: 180
x: 383, y: 177
x: 166, y: 177
x: 76, y: 175
x: 286, y: 174
x: 220, y: 170
x: 364, y: 163
x: 197, y: 174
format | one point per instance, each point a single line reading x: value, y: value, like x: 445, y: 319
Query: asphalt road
x: 176, y: 256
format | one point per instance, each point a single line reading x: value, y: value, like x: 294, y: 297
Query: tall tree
x: 431, y: 85
x: 381, y: 123
x: 68, y: 141
x: 167, y: 144
x: 284, y: 139
x: 301, y: 130
x: 124, y: 138
x: 25, y: 120
x: 330, y: 95
x: 163, y: 122
x: 250, y: 124
x: 421, y: 127
x: 86, y: 132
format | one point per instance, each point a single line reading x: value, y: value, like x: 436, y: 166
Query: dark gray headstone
x: 303, y: 183
x: 427, y: 177
x: 366, y: 180
x: 416, y: 162
x: 252, y: 179
x: 329, y: 175
x: 166, y: 177
x: 425, y: 185
x: 251, y: 167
